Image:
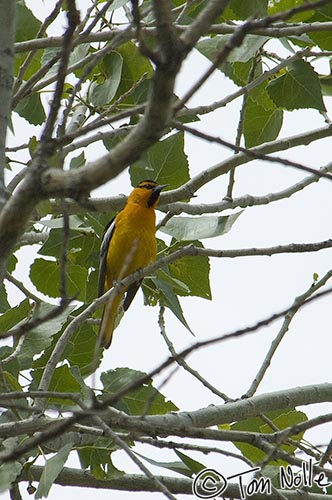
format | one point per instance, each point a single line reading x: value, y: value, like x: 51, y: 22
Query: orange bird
x: 129, y: 243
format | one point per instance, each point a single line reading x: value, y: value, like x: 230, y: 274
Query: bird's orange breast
x: 133, y: 244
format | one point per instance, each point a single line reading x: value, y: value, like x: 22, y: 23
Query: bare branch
x: 130, y: 482
x: 41, y: 32
x: 181, y: 362
x: 135, y: 482
x: 246, y: 200
x: 22, y: 288
x: 203, y: 22
x: 279, y: 30
x: 73, y: 20
x: 283, y: 330
x: 251, y: 152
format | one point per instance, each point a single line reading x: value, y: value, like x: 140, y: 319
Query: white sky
x: 244, y: 290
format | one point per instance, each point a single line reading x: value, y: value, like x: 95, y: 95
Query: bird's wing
x: 108, y: 233
x: 131, y: 292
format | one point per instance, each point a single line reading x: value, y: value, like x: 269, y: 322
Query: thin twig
x: 236, y: 40
x: 64, y: 254
x: 250, y: 152
x: 15, y: 353
x: 34, y: 322
x: 209, y: 108
x: 123, y: 445
x: 73, y: 20
x: 9, y: 277
x: 42, y: 30
x: 182, y: 362
x: 239, y: 132
x: 282, y: 332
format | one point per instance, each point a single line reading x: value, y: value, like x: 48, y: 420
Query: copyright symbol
x: 209, y: 483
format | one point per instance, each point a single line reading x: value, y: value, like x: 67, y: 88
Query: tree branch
x: 135, y: 482
x: 7, y: 37
x: 279, y: 30
x: 246, y: 200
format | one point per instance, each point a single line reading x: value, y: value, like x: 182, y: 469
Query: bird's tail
x: 107, y: 325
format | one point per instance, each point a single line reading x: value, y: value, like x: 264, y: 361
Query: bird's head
x: 146, y: 193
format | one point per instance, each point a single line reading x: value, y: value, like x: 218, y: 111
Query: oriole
x: 129, y: 243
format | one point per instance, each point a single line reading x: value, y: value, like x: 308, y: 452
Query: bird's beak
x: 160, y: 187
x: 153, y: 200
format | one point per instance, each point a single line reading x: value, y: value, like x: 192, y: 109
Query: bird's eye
x: 147, y: 185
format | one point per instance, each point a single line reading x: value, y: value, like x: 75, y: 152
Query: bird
x: 128, y: 244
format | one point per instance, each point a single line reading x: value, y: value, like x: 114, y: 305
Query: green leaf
x: 13, y: 366
x: 261, y: 97
x: 239, y: 71
x: 40, y: 338
x: 83, y: 246
x: 48, y: 54
x: 326, y: 85
x: 103, y: 94
x: 27, y: 25
x: 98, y: 459
x: 79, y: 52
x: 281, y: 419
x: 192, y: 10
x: 192, y: 464
x: 76, y: 55
x: 158, y: 163
x: 179, y: 287
x: 63, y: 380
x: 77, y: 161
x: 178, y: 467
x: 98, y: 222
x: 116, y: 4
x: 324, y: 38
x: 45, y: 275
x: 8, y: 383
x: 135, y: 66
x: 260, y: 125
x: 276, y: 6
x: 33, y: 67
x: 11, y: 263
x: 75, y: 222
x: 298, y: 87
x: 210, y: 47
x: 143, y: 400
x: 8, y: 474
x: 194, y: 272
x: 168, y: 298
x: 52, y: 469
x: 31, y: 109
x: 81, y: 350
x: 198, y: 228
x: 238, y: 9
x: 15, y: 315
x: 4, y: 304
